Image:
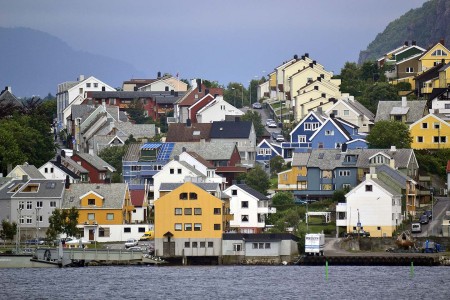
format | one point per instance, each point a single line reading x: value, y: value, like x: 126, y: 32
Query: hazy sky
x: 228, y: 40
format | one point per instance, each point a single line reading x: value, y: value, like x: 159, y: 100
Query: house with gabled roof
x: 189, y: 132
x: 296, y: 177
x: 165, y: 83
x: 249, y: 208
x: 8, y: 102
x: 265, y: 151
x: 439, y: 102
x: 350, y: 110
x: 74, y: 92
x: 217, y: 110
x: 404, y: 111
x: 105, y: 211
x: 430, y: 132
x: 203, y: 166
x: 99, y: 170
x: 64, y: 168
x: 30, y: 171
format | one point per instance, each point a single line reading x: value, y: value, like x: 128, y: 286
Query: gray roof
x: 137, y: 130
x: 4, y: 190
x: 417, y: 109
x: 394, y: 175
x: 133, y: 152
x: 386, y: 187
x: 81, y: 111
x: 361, y: 109
x: 401, y: 156
x: 113, y: 193
x: 48, y: 188
x: 100, y: 142
x: 123, y: 116
x: 252, y: 192
x: 95, y: 161
x: 326, y: 159
x: 32, y: 171
x: 218, y: 150
x: 191, y: 168
x: 300, y: 159
x: 6, y: 97
x: 207, y: 186
x: 4, y: 180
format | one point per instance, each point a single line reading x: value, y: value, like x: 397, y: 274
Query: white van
x: 416, y: 227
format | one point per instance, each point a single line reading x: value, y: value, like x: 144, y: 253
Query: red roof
x: 191, y: 97
x: 201, y: 160
x: 448, y: 166
x: 137, y: 197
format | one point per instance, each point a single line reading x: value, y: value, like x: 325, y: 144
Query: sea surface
x: 227, y: 282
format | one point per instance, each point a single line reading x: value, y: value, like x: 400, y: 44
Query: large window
x: 197, y: 227
x: 187, y: 226
x: 409, y: 70
x: 237, y: 247
x: 439, y: 139
x: 29, y: 205
x: 439, y: 52
x: 178, y: 227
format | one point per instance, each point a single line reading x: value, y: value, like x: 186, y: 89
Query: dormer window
x: 439, y: 52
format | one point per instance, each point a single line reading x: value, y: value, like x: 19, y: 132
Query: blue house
x: 265, y: 151
x: 335, y: 132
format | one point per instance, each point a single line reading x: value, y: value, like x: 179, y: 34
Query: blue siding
x: 302, y: 131
x: 358, y: 145
x: 328, y: 141
x: 265, y: 157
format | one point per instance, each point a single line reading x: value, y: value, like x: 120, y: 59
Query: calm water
x: 226, y: 282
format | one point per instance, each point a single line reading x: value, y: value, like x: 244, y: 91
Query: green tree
x: 113, y: 156
x: 389, y: 133
x: 255, y: 118
x: 258, y: 179
x: 63, y: 221
x: 8, y: 230
x: 137, y: 112
x: 379, y: 91
x: 339, y: 195
x: 276, y: 164
x: 283, y: 200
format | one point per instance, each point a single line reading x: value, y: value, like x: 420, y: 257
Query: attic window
x: 369, y: 188
x: 50, y: 185
x: 439, y: 52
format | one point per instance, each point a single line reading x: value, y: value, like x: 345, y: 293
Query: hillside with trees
x: 426, y: 25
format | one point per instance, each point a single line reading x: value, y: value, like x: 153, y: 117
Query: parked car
x: 361, y: 232
x: 424, y: 219
x: 135, y: 248
x: 272, y: 125
x: 280, y: 138
x: 429, y: 214
x: 268, y: 121
x: 148, y: 236
x: 257, y: 105
x: 130, y: 243
x: 35, y: 242
x: 416, y: 228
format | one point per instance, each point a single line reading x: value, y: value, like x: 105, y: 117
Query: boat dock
x: 375, y: 260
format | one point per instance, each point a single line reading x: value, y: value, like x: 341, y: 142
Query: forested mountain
x: 34, y: 62
x: 426, y: 25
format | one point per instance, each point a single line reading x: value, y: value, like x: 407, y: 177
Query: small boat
x: 150, y: 259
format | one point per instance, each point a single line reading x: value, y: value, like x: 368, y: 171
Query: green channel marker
x: 326, y: 270
x: 411, y: 270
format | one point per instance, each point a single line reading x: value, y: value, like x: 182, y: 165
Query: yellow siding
x: 427, y: 134
x: 272, y: 80
x: 427, y: 61
x: 290, y: 177
x: 376, y: 231
x: 165, y: 217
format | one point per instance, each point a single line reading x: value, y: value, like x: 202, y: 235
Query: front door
x: 91, y: 234
x: 169, y: 249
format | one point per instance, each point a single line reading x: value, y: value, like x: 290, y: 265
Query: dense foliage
x: 257, y: 179
x: 113, y: 156
x: 8, y: 230
x: 255, y: 118
x: 433, y: 161
x: 385, y: 134
x: 63, y: 221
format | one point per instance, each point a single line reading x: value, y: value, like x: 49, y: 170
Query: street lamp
x: 19, y: 211
x: 37, y: 223
x: 234, y: 96
x: 242, y: 94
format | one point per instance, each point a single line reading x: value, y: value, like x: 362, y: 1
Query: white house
x: 74, y: 92
x: 217, y: 110
x: 62, y: 167
x: 372, y: 206
x: 203, y: 166
x: 166, y: 83
x: 249, y: 208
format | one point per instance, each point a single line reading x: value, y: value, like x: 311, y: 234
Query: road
x: 264, y: 113
x: 434, y: 227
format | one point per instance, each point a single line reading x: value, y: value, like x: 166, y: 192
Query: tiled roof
x: 210, y: 151
x: 201, y: 160
x: 231, y: 130
x: 95, y: 161
x: 361, y: 109
x: 300, y: 159
x: 137, y: 197
x: 137, y: 130
x: 191, y: 168
x: 252, y: 191
x: 325, y: 159
x: 48, y: 188
x: 386, y: 187
x: 32, y: 172
x: 6, y: 97
x: 401, y: 156
x: 133, y: 152
x: 415, y: 112
x: 4, y: 190
x: 207, y: 186
x: 179, y: 132
x: 114, y: 194
x: 190, y: 97
x: 394, y: 175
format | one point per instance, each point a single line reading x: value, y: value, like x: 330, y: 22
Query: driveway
x: 434, y: 227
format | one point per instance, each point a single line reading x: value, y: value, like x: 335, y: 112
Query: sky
x: 224, y: 41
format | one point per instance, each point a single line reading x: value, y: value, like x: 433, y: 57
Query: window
x: 254, y: 245
x: 311, y: 126
x: 217, y: 211
x: 172, y: 171
x: 91, y: 202
x: 424, y: 125
x: 21, y: 204
x: 197, y: 227
x: 346, y: 112
x: 368, y: 187
x: 183, y: 196
x: 210, y: 244
x: 179, y: 171
x: 110, y: 216
x: 52, y: 203
x: 420, y: 139
x: 329, y: 132
x: 344, y: 173
x: 178, y: 227
x: 22, y: 220
x: 244, y: 218
x: 237, y: 247
x: 244, y: 204
x: 127, y: 229
x: 346, y: 186
x: 197, y: 211
x: 409, y: 70
x: 335, y: 112
x: 95, y: 84
x: 187, y: 244
x: 40, y: 219
x: 320, y: 146
x: 51, y: 170
x: 103, y: 232
x: 178, y: 211
x: 436, y: 126
x: 302, y: 138
x: 135, y: 168
x: 39, y: 204
x: 202, y: 244
x: 439, y: 52
x: 187, y: 227
x: 188, y: 211
x: 216, y: 226
x: 193, y: 196
x: 439, y: 139
x: 45, y: 170
x: 29, y: 205
x: 447, y: 106
x: 234, y: 192
x: 91, y: 216
x: 88, y: 84
x: 142, y: 229
x: 29, y: 219
x: 194, y: 244
x: 267, y: 245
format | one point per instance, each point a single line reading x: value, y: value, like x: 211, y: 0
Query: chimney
x: 63, y: 153
x: 324, y: 95
x: 176, y: 158
x: 413, y: 43
x: 344, y: 148
x: 404, y: 102
x: 306, y: 54
x: 319, y: 78
x: 332, y: 116
x: 206, y: 91
x: 322, y: 75
x: 314, y: 62
x: 67, y: 182
x: 296, y: 57
x: 8, y: 88
x: 188, y: 123
x: 159, y: 75
x: 183, y: 149
x: 393, y: 149
x: 351, y: 98
x: 24, y: 177
x: 81, y: 78
x: 319, y: 110
x: 311, y: 65
x: 406, y: 43
x: 199, y: 85
x: 303, y: 57
x: 316, y: 87
x: 58, y: 158
x: 442, y: 41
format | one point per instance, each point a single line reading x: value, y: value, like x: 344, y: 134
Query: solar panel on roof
x: 151, y: 146
x: 165, y: 151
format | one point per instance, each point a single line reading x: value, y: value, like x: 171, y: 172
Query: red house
x: 99, y: 170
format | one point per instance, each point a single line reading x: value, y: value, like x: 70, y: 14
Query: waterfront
x: 226, y: 282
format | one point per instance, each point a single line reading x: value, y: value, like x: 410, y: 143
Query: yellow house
x: 434, y: 56
x: 99, y: 206
x: 430, y: 132
x: 189, y: 222
x: 288, y: 180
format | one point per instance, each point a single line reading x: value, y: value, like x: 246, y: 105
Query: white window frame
x: 302, y: 138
